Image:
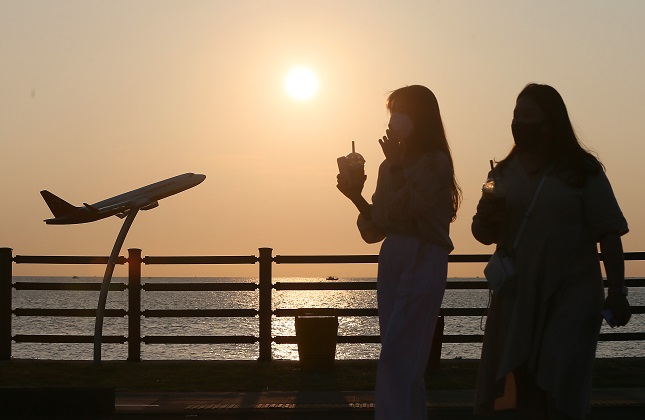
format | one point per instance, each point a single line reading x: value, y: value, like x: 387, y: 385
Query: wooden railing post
x: 265, y: 311
x: 6, y: 261
x: 134, y: 305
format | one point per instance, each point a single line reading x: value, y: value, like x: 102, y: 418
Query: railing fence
x: 265, y: 288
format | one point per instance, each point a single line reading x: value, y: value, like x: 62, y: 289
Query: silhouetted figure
x: 416, y: 199
x: 543, y: 325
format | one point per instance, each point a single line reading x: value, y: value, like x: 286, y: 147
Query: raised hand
x: 392, y: 148
x: 350, y: 187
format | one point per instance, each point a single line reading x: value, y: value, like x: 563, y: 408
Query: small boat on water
x: 332, y: 278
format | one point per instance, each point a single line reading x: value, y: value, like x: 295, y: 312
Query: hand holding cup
x: 351, y: 177
x: 492, y: 206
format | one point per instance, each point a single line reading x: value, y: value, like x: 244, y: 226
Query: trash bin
x: 316, y: 333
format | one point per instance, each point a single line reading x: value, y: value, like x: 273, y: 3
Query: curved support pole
x: 105, y: 286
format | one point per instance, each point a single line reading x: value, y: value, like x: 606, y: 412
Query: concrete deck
x: 623, y: 403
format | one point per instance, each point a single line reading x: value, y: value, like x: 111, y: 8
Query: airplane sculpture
x: 144, y: 198
x: 123, y: 205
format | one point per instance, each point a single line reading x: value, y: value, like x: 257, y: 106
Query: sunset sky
x: 98, y: 98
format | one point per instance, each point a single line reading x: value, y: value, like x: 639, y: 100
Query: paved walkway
x: 623, y: 403
x: 103, y: 403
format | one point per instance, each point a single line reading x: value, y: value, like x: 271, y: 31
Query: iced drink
x: 493, y: 189
x: 355, y: 166
x: 489, y: 187
x: 352, y: 166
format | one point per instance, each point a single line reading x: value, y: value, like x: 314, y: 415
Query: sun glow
x: 301, y: 83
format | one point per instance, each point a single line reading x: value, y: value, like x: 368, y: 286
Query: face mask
x: 527, y: 136
x: 400, y: 126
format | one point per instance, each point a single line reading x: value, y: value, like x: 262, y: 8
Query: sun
x: 301, y: 83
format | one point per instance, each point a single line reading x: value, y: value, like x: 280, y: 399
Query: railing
x: 265, y: 288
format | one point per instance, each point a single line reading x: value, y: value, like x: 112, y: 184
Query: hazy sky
x: 98, y: 98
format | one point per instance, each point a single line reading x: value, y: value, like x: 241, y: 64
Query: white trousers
x: 410, y: 287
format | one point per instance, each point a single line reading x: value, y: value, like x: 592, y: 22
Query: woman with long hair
x: 543, y: 324
x: 417, y: 197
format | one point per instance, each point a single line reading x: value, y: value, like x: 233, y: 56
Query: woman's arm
x: 354, y: 191
x: 368, y: 229
x: 611, y: 248
x: 483, y: 227
x: 482, y: 234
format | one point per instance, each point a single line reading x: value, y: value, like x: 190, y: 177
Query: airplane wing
x: 148, y: 206
x: 121, y: 209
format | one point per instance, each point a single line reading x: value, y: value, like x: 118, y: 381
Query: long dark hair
x: 573, y: 161
x: 419, y: 103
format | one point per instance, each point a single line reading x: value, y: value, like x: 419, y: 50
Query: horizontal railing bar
x: 49, y: 338
x: 466, y: 284
x: 219, y: 259
x: 201, y: 287
x: 199, y: 339
x: 343, y: 285
x: 64, y: 259
x: 452, y: 338
x: 634, y: 256
x: 636, y: 336
x: 453, y: 258
x: 286, y: 312
x: 447, y: 338
x: 241, y: 313
x: 32, y: 285
x: 375, y: 339
x: 632, y: 282
x: 468, y: 258
x: 252, y: 259
x: 197, y: 313
x: 68, y: 312
x: 462, y: 338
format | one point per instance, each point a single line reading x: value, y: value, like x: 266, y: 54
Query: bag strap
x: 520, y: 231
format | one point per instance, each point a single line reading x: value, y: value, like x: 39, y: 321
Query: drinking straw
x: 354, y: 150
x: 492, y: 169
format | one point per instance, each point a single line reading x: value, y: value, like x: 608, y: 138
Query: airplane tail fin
x: 57, y: 205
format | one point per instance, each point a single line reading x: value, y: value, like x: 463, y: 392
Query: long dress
x: 548, y: 319
x: 411, y: 279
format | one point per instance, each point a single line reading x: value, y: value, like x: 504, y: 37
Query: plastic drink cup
x: 352, y: 166
x: 489, y: 187
x: 356, y: 167
x: 494, y: 190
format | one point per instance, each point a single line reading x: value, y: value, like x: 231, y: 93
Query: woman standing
x: 416, y: 199
x: 543, y: 325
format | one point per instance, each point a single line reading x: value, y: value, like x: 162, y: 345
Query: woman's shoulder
x: 436, y: 164
x: 436, y: 159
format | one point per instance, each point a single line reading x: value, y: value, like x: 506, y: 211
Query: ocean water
x: 281, y: 326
